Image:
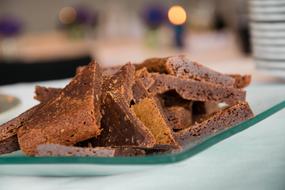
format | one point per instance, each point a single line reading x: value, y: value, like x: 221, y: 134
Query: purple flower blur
x: 10, y: 26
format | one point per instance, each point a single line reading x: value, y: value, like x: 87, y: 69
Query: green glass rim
x: 148, y: 160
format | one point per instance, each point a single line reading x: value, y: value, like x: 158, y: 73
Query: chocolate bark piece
x: 120, y: 125
x: 139, y: 91
x: 43, y: 94
x: 9, y: 145
x: 150, y: 112
x: 241, y: 81
x: 61, y: 150
x: 183, y: 68
x: 179, y: 117
x: 10, y: 128
x: 120, y: 84
x: 195, y: 90
x: 68, y: 118
x: 217, y: 122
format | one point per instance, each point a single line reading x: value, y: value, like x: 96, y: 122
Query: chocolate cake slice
x: 120, y: 126
x: 70, y: 117
x: 216, y: 122
x: 182, y: 67
x: 61, y: 150
x: 150, y: 112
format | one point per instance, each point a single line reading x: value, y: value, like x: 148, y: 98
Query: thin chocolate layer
x: 183, y: 68
x: 195, y: 90
x: 218, y: 121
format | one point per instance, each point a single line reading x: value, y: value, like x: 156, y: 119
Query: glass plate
x: 264, y: 100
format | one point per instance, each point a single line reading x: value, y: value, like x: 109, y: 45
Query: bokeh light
x: 67, y: 15
x: 177, y: 15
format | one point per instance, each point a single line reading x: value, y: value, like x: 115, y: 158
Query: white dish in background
x: 267, y: 17
x: 266, y: 3
x: 268, y: 26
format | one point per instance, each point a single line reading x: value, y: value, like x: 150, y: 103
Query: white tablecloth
x: 252, y: 159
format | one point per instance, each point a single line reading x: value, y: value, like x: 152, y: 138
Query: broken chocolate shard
x: 43, y: 94
x: 120, y: 126
x: 61, y: 150
x: 11, y: 127
x: 70, y: 117
x: 215, y: 123
x: 182, y: 67
x: 195, y: 90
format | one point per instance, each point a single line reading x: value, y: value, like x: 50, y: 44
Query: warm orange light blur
x: 177, y: 15
x: 67, y: 15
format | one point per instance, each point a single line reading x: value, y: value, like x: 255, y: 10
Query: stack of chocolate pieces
x: 158, y: 106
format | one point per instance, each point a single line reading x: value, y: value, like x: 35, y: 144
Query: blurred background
x: 44, y: 40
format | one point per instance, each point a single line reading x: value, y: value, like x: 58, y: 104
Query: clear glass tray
x: 264, y: 100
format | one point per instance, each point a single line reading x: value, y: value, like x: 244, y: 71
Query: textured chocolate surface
x: 218, y: 121
x: 9, y: 145
x: 120, y: 126
x: 183, y: 68
x: 195, y: 90
x: 68, y: 118
x: 61, y: 150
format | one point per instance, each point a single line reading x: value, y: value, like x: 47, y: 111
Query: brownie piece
x: 9, y: 145
x: 216, y: 122
x: 183, y: 68
x: 43, y: 94
x: 241, y: 81
x: 195, y: 90
x: 61, y: 150
x: 150, y: 112
x: 68, y: 118
x: 120, y: 125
